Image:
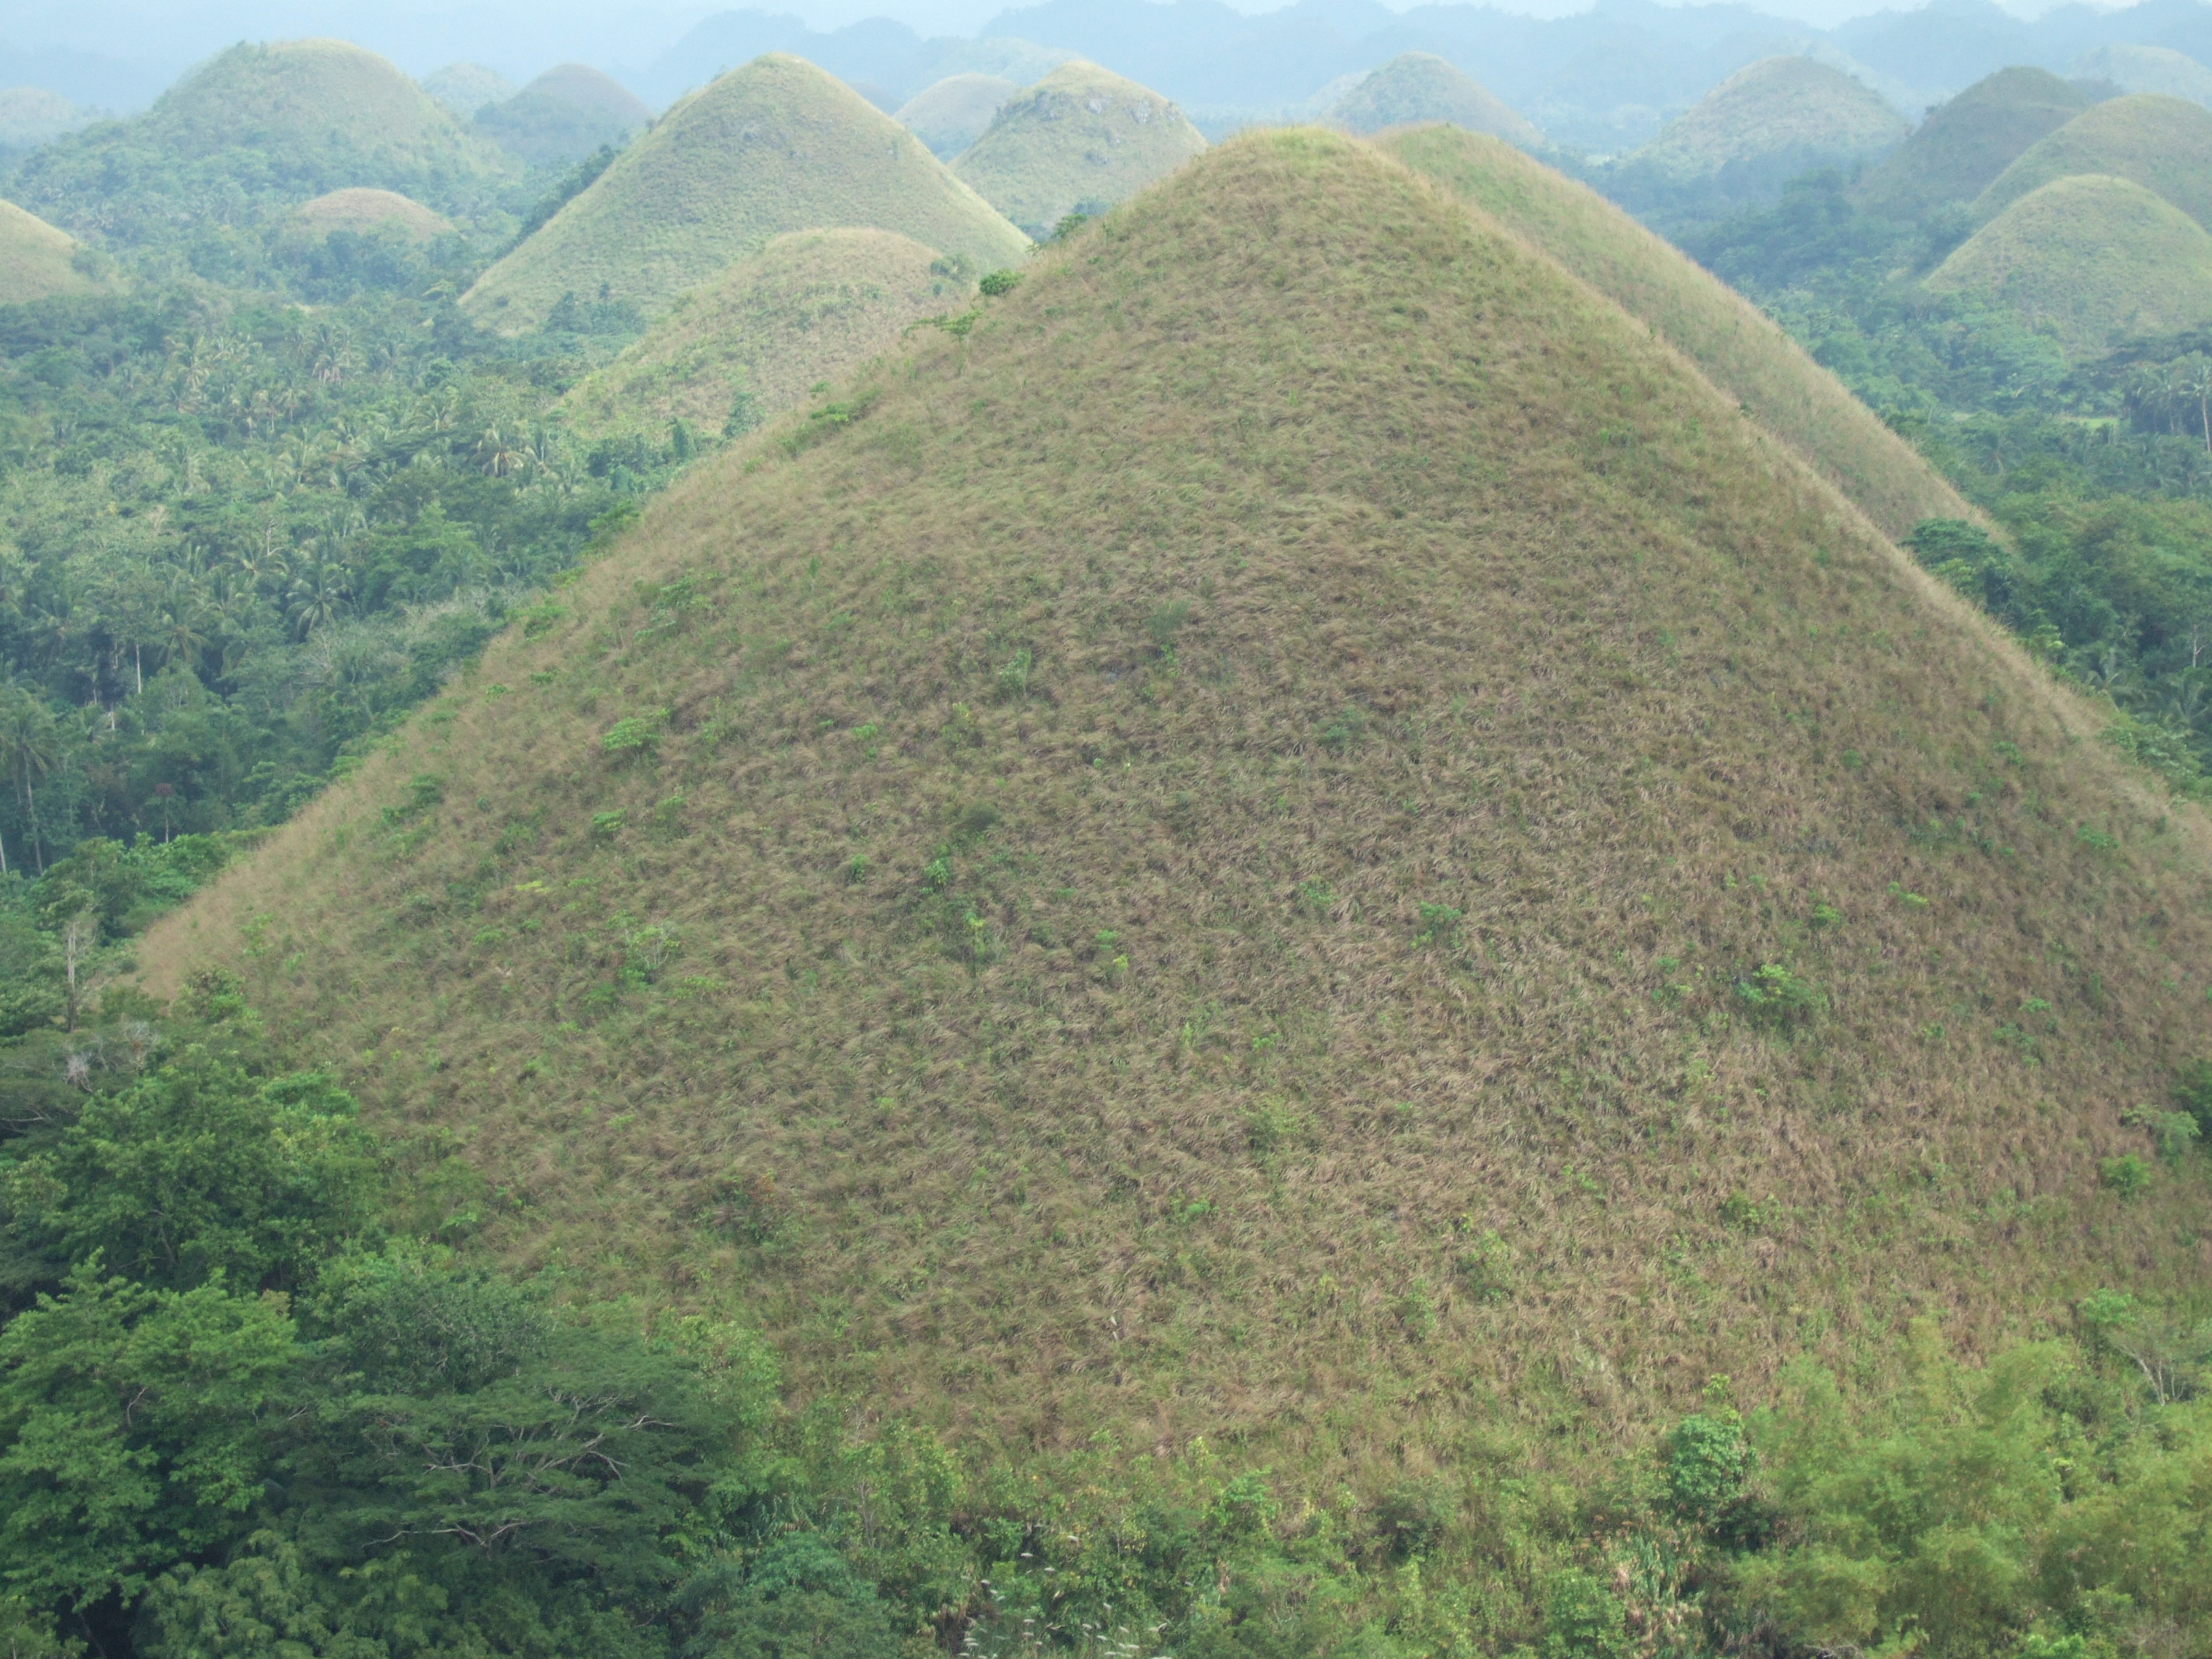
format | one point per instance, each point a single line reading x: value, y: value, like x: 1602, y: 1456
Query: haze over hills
x: 1418, y: 86
x: 464, y: 88
x: 951, y: 114
x: 37, y: 261
x: 272, y: 125
x: 775, y: 146
x: 31, y: 115
x: 2162, y: 143
x: 1787, y: 112
x: 1961, y: 148
x: 2097, y: 259
x: 562, y: 116
x: 1225, y: 853
x: 1078, y: 141
x: 2148, y: 68
x: 1741, y: 350
x: 736, y: 351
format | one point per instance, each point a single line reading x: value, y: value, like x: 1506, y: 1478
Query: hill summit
x: 1303, y: 818
x: 2162, y: 143
x: 276, y: 125
x: 1955, y: 155
x: 2148, y: 68
x: 775, y: 146
x: 2095, y: 258
x: 1780, y: 113
x: 951, y: 114
x: 369, y: 210
x: 1078, y: 142
x: 1416, y: 87
x: 563, y: 116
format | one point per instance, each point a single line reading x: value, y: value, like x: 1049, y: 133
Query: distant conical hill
x: 272, y: 125
x: 2097, y: 259
x: 37, y: 261
x: 464, y: 88
x: 1963, y: 146
x: 2164, y: 144
x: 31, y: 115
x: 371, y: 210
x: 1078, y: 142
x: 1418, y: 86
x: 750, y: 344
x: 1306, y: 821
x: 1740, y: 349
x: 1778, y: 112
x: 2148, y: 68
x: 952, y: 114
x: 777, y: 145
x: 563, y: 116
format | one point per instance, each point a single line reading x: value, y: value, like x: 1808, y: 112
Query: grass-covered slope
x: 1078, y: 142
x: 2148, y: 68
x: 951, y: 114
x: 1304, y: 836
x: 2162, y: 143
x: 777, y: 145
x: 2096, y: 259
x: 1785, y: 107
x: 750, y: 344
x: 464, y: 88
x: 260, y: 127
x: 1419, y: 86
x: 371, y: 209
x: 1957, y: 151
x: 1737, y: 346
x: 31, y: 115
x: 563, y: 116
x: 37, y: 261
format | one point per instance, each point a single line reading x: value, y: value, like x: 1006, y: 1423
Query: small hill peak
x: 1787, y: 112
x: 1416, y: 87
x: 1963, y: 145
x: 1078, y: 142
x: 952, y: 113
x: 562, y: 116
x: 2146, y: 68
x: 777, y: 145
x: 464, y: 88
x: 2161, y: 143
x: 361, y: 209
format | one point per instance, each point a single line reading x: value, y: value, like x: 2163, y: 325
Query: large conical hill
x: 1737, y: 346
x: 775, y: 146
x: 1078, y: 142
x: 1418, y: 87
x: 951, y: 114
x: 262, y: 126
x: 2162, y: 143
x: 1782, y: 110
x: 747, y: 345
x: 38, y: 262
x: 2096, y: 259
x: 1305, y: 824
x: 1961, y: 148
x: 563, y: 116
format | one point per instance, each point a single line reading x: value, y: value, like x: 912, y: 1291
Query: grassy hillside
x: 952, y: 114
x: 2148, y: 68
x: 2096, y: 259
x: 775, y: 146
x: 260, y: 127
x: 2164, y: 144
x: 464, y: 88
x: 1737, y: 346
x: 563, y: 116
x: 1419, y: 86
x: 1792, y: 108
x: 37, y: 261
x: 1955, y: 155
x: 31, y: 115
x: 751, y: 344
x: 1302, y: 836
x: 1078, y: 141
x: 371, y: 209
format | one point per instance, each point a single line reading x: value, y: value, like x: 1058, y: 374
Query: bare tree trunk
x: 77, y: 939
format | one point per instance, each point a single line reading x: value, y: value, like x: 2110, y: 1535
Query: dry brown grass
x: 1109, y: 1121
x: 1740, y: 349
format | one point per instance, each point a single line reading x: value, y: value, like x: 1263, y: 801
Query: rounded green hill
x: 1078, y: 142
x: 38, y: 262
x: 1955, y: 154
x: 364, y: 209
x: 777, y: 145
x: 2097, y: 259
x: 464, y: 88
x: 1787, y: 110
x: 750, y: 344
x: 954, y: 112
x: 563, y: 116
x: 1306, y: 821
x: 1418, y: 87
x: 2148, y: 68
x: 1741, y: 349
x: 2162, y: 143
x: 31, y: 115
x: 274, y: 124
